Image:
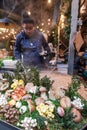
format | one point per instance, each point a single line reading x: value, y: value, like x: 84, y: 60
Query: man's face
x: 28, y: 28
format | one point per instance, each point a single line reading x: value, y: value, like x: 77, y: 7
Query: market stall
x: 32, y: 100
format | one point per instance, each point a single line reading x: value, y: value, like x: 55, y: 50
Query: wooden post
x: 74, y: 20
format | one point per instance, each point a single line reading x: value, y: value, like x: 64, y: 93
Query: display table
x: 6, y: 126
x: 25, y: 105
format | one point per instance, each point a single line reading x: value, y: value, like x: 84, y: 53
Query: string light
x: 49, y: 20
x: 42, y: 24
x: 62, y: 20
x: 41, y: 29
x: 37, y: 27
x: 29, y: 13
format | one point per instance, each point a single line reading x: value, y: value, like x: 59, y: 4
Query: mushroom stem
x: 43, y: 95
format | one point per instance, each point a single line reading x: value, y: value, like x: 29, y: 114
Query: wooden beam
x: 17, y: 17
x: 74, y: 20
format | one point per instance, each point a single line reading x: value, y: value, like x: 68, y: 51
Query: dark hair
x: 26, y: 18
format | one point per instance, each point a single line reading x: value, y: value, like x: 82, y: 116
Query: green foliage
x: 9, y: 77
x: 41, y: 123
x: 28, y: 75
x: 68, y: 120
x: 67, y: 27
x: 53, y: 38
x: 56, y: 102
x: 40, y: 120
x: 73, y: 87
x: 46, y: 82
x: 22, y: 116
x: 84, y: 110
x: 1, y: 63
x: 26, y: 114
x: 64, y: 123
x: 67, y: 32
x: 24, y: 73
x: 35, y: 77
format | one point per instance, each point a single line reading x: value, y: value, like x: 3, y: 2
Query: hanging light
x: 49, y: 1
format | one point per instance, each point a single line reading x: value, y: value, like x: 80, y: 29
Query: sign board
x: 6, y: 126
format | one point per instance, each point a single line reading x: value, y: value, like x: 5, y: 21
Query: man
x: 29, y: 44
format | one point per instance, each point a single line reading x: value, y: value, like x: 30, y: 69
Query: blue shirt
x: 28, y: 49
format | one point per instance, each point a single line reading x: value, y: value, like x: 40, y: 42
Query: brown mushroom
x: 76, y: 114
x: 26, y: 97
x: 31, y: 105
x: 39, y: 100
x: 65, y: 102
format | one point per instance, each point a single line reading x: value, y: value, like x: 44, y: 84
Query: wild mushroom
x: 30, y: 88
x: 8, y: 93
x: 77, y: 115
x: 43, y: 93
x: 26, y: 97
x: 60, y: 111
x: 4, y: 84
x: 39, y: 100
x: 65, y: 102
x: 31, y: 105
x: 11, y: 114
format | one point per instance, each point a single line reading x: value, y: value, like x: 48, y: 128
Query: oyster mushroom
x: 4, y: 86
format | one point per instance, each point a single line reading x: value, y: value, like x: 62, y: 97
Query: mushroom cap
x: 39, y: 100
x: 42, y: 89
x: 77, y: 115
x: 4, y: 86
x: 26, y: 97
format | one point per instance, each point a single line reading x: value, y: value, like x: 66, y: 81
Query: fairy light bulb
x: 29, y: 13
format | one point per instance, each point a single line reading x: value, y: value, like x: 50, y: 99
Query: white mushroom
x: 43, y: 93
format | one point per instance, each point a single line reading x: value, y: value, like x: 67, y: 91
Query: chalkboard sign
x: 6, y: 126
